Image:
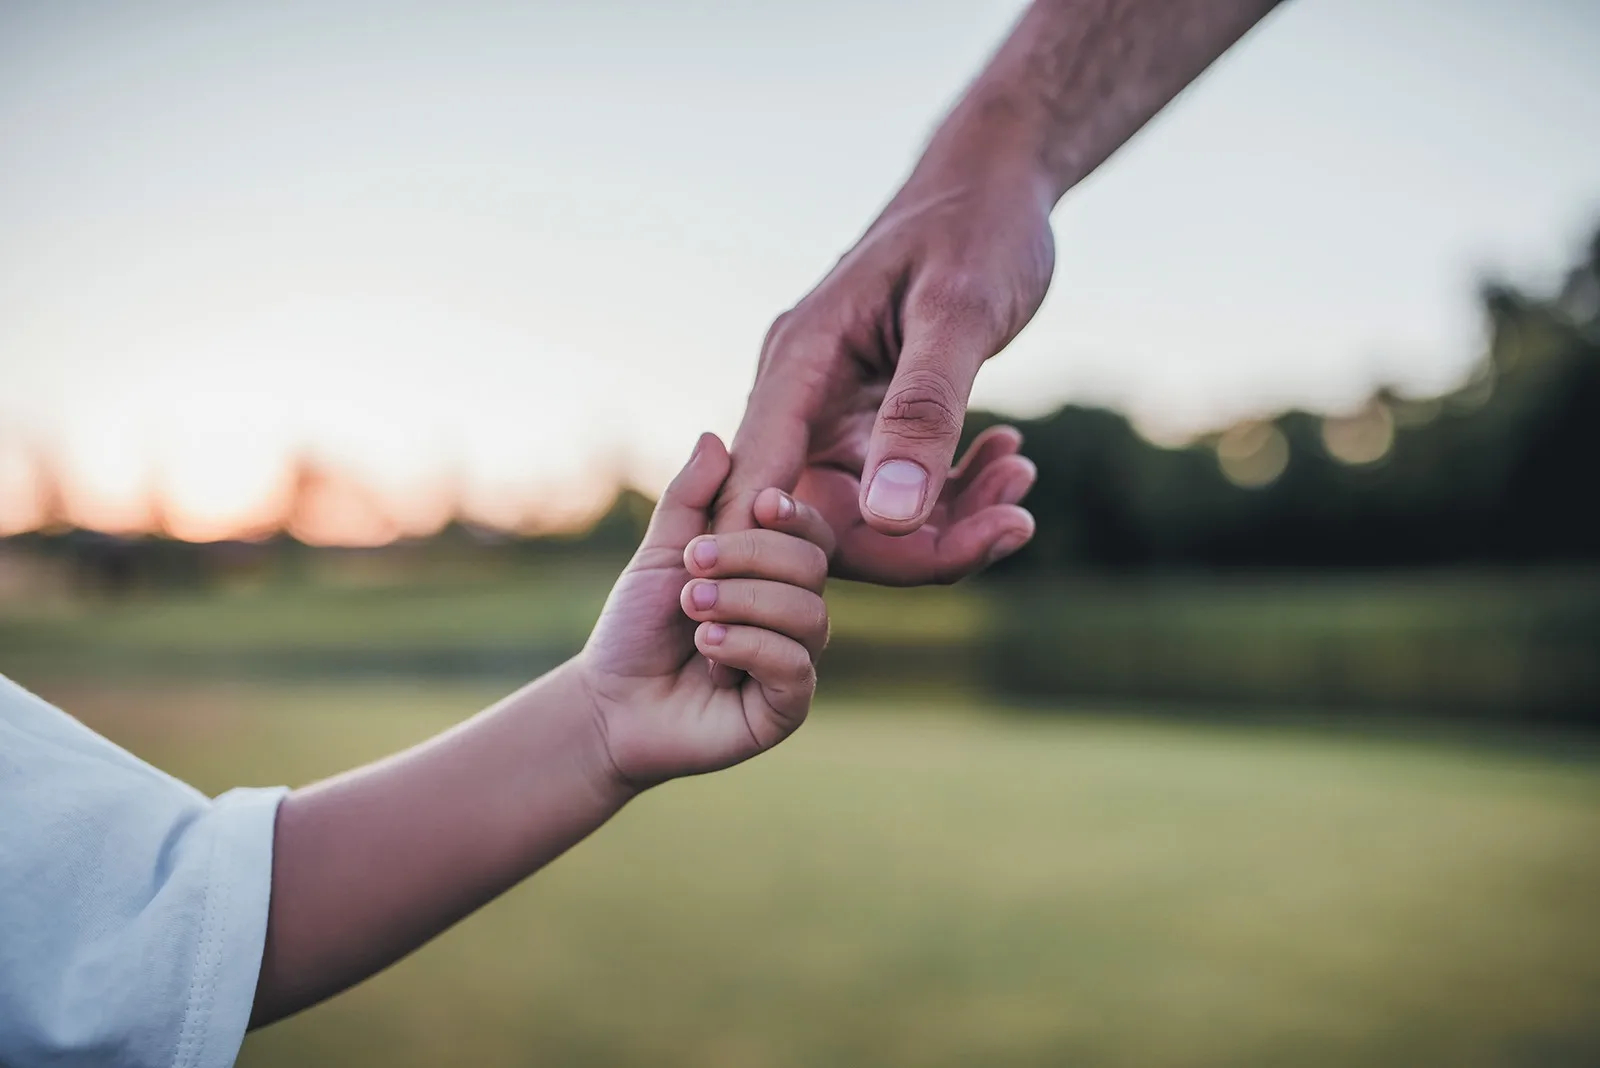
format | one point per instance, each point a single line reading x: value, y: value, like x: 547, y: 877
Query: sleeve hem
x: 233, y: 931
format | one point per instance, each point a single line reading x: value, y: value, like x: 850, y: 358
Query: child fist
x: 748, y: 601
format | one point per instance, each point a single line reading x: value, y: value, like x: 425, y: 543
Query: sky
x: 533, y: 248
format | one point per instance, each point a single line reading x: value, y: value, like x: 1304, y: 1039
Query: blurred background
x: 343, y: 348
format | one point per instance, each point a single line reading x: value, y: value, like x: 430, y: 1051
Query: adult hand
x: 862, y: 387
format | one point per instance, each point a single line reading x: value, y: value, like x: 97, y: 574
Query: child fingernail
x: 704, y: 595
x: 705, y: 552
x: 714, y: 634
x: 785, y: 506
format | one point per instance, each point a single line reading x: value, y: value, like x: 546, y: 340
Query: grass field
x: 1513, y: 646
x: 505, y: 617
x: 949, y: 888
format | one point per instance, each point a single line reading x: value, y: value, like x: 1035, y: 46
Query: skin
x: 371, y: 864
x: 863, y: 385
x: 858, y: 403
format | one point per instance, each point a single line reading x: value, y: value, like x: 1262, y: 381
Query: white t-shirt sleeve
x: 133, y: 909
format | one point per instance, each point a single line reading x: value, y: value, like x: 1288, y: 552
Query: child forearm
x: 371, y: 864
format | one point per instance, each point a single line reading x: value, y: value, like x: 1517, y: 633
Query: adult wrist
x: 994, y: 137
x: 1076, y: 79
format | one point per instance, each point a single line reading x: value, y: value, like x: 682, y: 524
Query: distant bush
x: 1521, y: 647
x: 1499, y: 473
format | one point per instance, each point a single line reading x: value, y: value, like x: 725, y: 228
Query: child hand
x: 748, y: 600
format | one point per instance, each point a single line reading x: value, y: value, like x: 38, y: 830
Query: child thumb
x: 682, y: 513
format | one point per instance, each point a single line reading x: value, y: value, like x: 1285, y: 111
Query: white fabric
x: 133, y: 909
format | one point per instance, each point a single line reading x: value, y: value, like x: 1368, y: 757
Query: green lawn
x: 1511, y: 646
x: 538, y: 608
x: 945, y: 888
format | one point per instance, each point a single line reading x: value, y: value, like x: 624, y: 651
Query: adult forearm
x: 370, y: 865
x: 1077, y: 78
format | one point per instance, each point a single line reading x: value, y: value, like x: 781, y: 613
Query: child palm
x: 750, y: 601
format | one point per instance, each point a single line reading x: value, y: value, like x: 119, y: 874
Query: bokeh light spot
x: 1363, y: 438
x: 1253, y: 455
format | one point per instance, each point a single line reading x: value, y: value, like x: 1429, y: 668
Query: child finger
x: 779, y: 664
x: 682, y: 511
x: 777, y: 510
x: 789, y: 610
x: 765, y: 554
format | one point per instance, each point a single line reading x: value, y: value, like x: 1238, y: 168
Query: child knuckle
x: 750, y: 597
x: 818, y: 616
x: 816, y: 565
x: 753, y: 552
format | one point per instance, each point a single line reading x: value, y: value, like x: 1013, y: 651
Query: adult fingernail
x: 704, y: 595
x: 714, y: 633
x: 1016, y: 489
x: 897, y: 490
x: 705, y: 555
x: 785, y: 506
x: 1006, y: 546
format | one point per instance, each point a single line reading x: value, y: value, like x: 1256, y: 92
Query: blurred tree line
x: 1501, y: 472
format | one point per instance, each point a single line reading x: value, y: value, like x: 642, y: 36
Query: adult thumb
x: 919, y: 422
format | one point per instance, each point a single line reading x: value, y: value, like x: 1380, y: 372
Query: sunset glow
x: 498, y: 262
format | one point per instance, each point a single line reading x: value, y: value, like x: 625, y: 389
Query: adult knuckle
x: 799, y: 329
x: 924, y: 406
x: 955, y: 296
x: 776, y: 333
